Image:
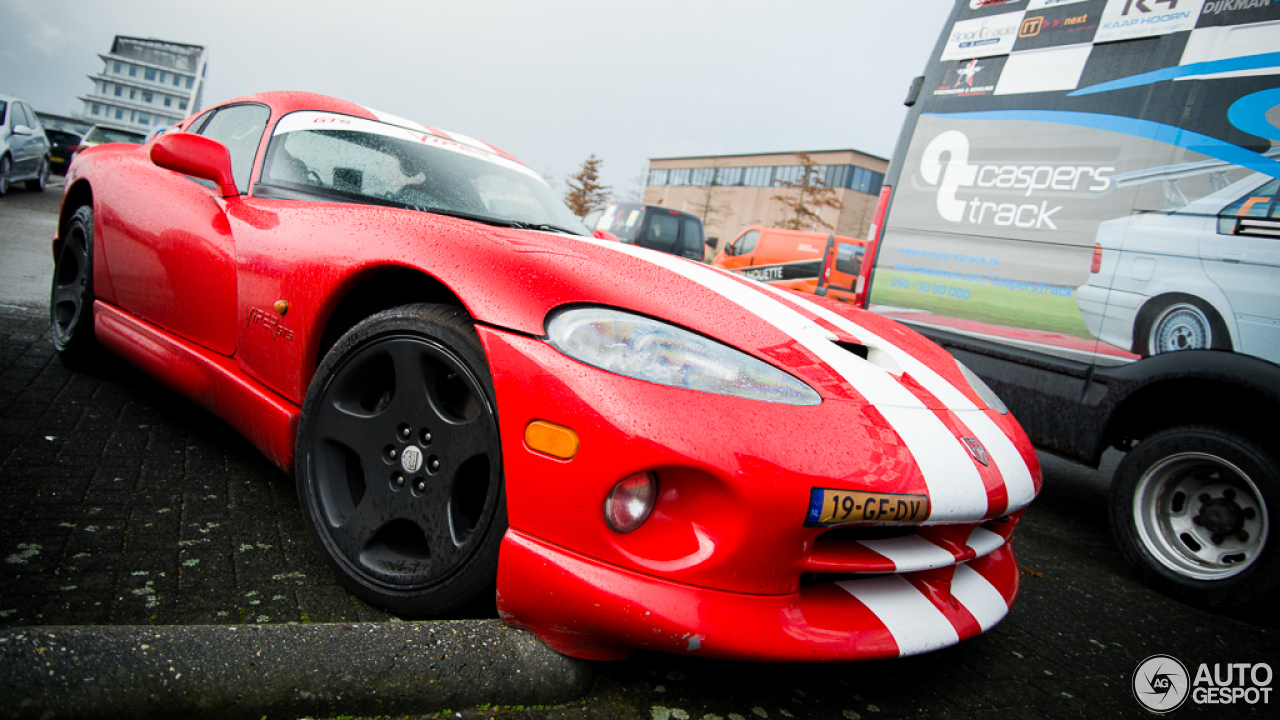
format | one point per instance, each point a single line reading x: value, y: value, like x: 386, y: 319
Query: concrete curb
x: 252, y: 671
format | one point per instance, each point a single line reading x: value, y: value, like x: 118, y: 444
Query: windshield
x: 107, y: 135
x: 338, y: 157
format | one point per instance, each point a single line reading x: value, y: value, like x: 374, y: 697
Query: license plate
x: 55, y: 158
x: 828, y: 506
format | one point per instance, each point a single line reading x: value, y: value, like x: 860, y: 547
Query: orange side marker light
x: 555, y: 440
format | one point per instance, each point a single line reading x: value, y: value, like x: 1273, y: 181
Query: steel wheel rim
x: 393, y: 519
x: 1184, y: 507
x: 70, y: 277
x: 1182, y: 326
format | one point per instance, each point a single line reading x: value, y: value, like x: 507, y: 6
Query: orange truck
x: 794, y: 258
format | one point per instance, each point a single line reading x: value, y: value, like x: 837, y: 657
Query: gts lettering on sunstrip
x: 1014, y: 470
x: 956, y: 490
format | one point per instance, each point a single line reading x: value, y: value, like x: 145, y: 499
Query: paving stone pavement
x: 123, y: 504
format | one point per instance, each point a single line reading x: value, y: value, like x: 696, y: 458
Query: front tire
x: 71, y: 295
x: 1191, y: 508
x: 6, y: 171
x: 399, y: 464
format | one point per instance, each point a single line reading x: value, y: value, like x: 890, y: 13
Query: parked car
x: 789, y: 258
x: 1201, y: 277
x: 651, y: 226
x: 24, y: 149
x: 62, y: 145
x: 470, y: 389
x: 99, y: 134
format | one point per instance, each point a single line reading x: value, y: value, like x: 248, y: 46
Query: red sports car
x: 644, y: 451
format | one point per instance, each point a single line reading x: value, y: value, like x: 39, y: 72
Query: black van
x: 651, y: 226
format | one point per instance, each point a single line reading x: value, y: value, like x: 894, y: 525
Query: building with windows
x: 731, y: 192
x: 145, y: 83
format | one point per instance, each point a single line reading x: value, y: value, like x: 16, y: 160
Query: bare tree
x: 709, y: 207
x: 585, y: 191
x: 813, y: 195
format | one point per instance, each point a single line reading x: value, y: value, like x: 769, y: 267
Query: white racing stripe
x: 911, y: 553
x: 978, y: 596
x: 984, y: 542
x: 1014, y: 470
x: 916, y: 625
x: 956, y: 490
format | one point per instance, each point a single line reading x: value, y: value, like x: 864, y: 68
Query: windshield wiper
x: 545, y: 227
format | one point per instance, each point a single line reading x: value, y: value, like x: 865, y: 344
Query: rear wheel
x: 38, y: 183
x: 71, y: 297
x: 399, y: 466
x: 1179, y: 322
x: 1191, y: 508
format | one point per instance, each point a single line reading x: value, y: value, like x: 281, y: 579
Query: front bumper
x: 725, y: 566
x: 588, y: 609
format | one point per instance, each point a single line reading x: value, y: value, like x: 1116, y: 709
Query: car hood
x: 841, y: 351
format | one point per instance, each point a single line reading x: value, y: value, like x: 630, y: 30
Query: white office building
x: 145, y: 83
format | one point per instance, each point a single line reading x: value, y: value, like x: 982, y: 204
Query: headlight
x: 988, y: 395
x: 647, y: 349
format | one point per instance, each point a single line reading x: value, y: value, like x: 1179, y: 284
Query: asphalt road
x: 122, y: 504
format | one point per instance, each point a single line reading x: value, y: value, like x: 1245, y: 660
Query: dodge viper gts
x: 473, y: 392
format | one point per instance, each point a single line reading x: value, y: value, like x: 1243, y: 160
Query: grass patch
x: 985, y: 303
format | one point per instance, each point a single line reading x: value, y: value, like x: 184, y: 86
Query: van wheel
x: 1179, y: 322
x: 1191, y: 508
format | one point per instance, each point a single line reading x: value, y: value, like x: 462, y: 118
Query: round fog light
x: 630, y: 502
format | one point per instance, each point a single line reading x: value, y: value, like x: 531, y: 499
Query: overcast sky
x: 550, y: 81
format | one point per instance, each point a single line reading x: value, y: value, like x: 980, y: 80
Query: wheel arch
x: 1204, y: 387
x: 80, y: 193
x: 1222, y: 322
x: 375, y: 290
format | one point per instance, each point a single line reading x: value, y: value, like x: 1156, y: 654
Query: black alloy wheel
x: 71, y: 295
x: 399, y: 465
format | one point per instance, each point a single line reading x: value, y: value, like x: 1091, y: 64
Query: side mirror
x: 604, y: 235
x: 21, y: 130
x: 197, y: 156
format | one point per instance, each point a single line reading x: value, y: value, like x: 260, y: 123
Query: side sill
x: 215, y: 382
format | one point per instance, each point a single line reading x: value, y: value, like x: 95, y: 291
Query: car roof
x: 661, y: 208
x: 283, y: 102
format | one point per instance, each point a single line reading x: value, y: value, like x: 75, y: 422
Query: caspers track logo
x: 1003, y: 181
x: 1161, y: 683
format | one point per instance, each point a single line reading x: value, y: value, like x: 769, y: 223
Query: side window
x: 661, y: 232
x: 240, y: 128
x: 692, y: 237
x: 33, y: 121
x: 746, y: 243
x: 1260, y: 203
x: 20, y: 116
